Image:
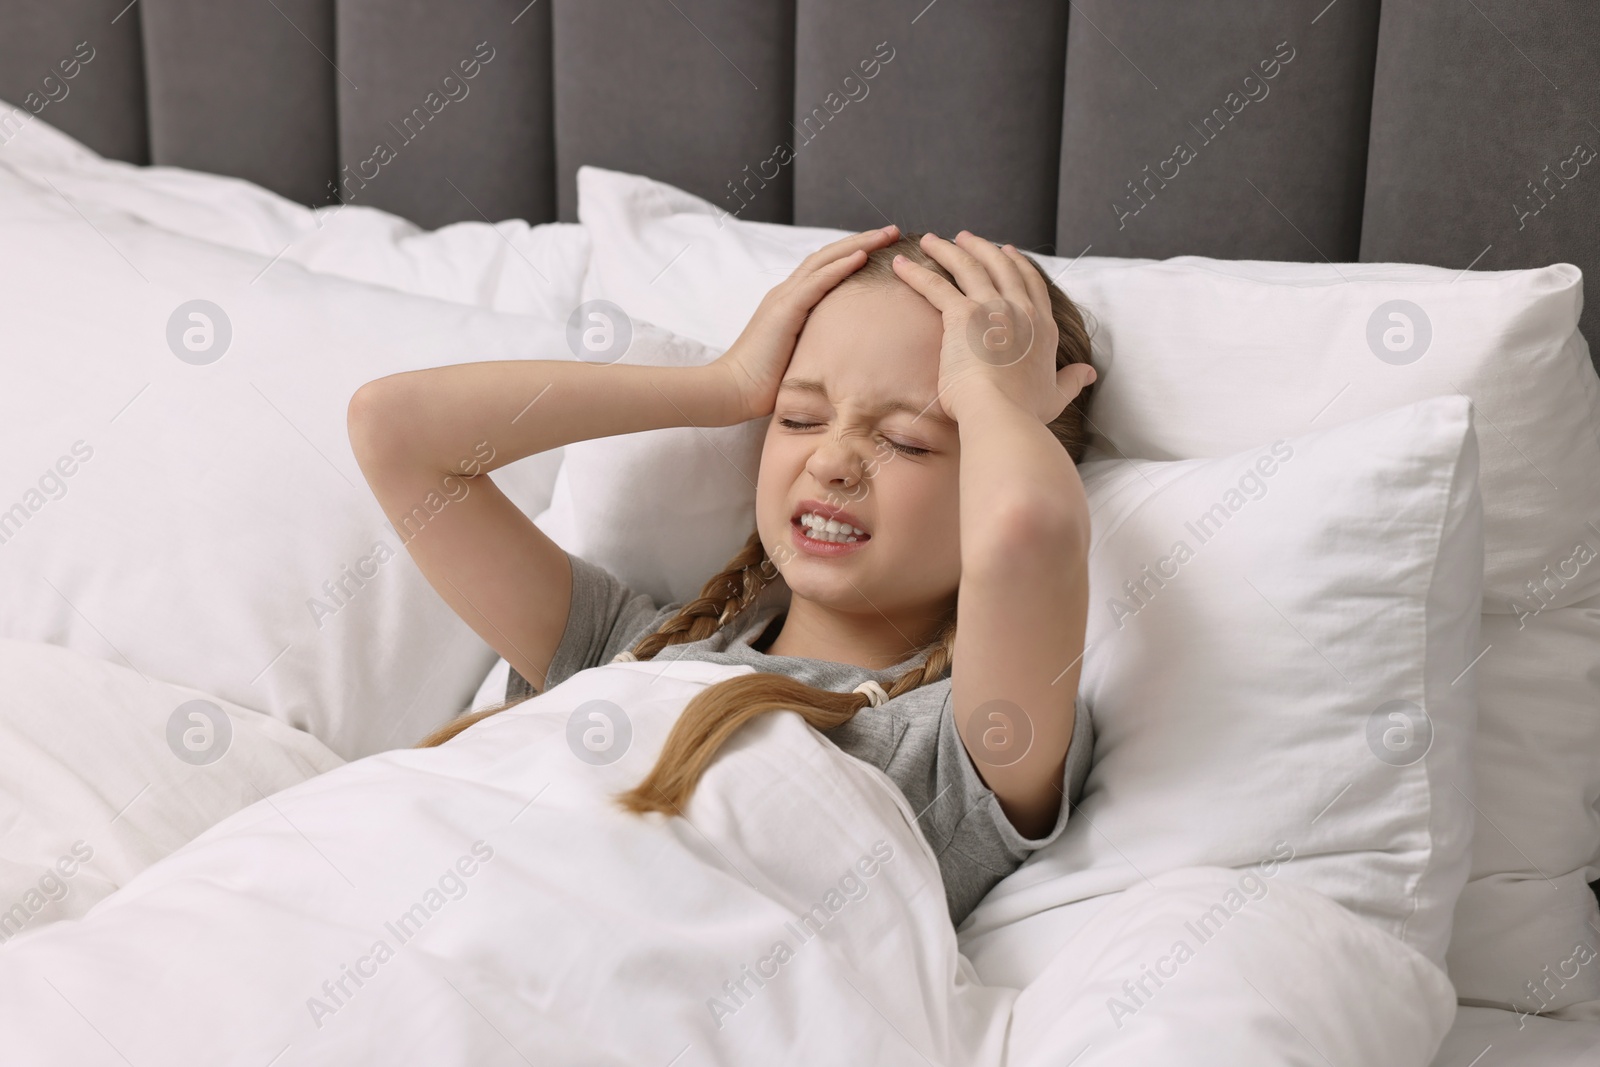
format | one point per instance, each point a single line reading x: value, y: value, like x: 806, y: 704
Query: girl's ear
x: 1074, y: 378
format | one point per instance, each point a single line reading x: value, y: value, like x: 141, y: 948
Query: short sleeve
x: 606, y: 617
x: 979, y: 845
x: 918, y: 746
x: 1073, y: 774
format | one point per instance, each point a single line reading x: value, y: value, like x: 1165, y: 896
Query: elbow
x: 1027, y: 532
x: 361, y: 419
x: 1056, y: 529
x: 370, y: 415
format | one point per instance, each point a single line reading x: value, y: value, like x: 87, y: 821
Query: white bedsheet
x: 545, y: 923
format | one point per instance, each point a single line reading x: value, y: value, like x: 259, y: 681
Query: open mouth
x: 824, y: 531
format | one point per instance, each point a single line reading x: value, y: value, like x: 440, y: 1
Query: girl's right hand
x: 754, y: 364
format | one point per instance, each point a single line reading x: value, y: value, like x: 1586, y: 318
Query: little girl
x: 920, y: 471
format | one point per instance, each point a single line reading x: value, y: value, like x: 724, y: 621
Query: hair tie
x: 874, y: 692
x: 625, y: 656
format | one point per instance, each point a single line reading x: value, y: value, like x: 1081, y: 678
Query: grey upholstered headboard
x: 1461, y: 133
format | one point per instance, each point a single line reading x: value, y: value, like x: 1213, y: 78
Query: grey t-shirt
x: 912, y: 738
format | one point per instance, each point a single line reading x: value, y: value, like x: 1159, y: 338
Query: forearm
x: 439, y: 417
x: 1013, y: 471
x: 1023, y: 602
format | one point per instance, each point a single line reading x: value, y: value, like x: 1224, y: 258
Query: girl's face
x: 870, y: 346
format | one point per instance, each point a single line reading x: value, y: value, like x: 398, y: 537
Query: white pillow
x: 181, y: 518
x: 1202, y: 357
x: 103, y: 772
x: 508, y: 266
x: 676, y: 260
x: 1511, y: 921
x: 1193, y: 363
x: 492, y: 690
x: 1272, y: 660
x: 682, y: 262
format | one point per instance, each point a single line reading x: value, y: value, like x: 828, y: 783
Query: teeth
x: 823, y: 535
x: 821, y: 529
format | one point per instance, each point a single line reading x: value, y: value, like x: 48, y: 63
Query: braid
x: 717, y: 712
x: 726, y: 596
x: 721, y: 599
x: 941, y: 655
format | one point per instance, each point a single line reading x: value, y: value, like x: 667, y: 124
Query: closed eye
x: 905, y: 450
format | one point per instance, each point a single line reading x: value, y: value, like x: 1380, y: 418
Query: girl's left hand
x: 999, y: 333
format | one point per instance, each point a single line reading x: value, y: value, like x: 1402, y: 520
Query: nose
x: 839, y: 460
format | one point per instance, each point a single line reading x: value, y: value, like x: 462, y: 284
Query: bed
x: 1345, y: 488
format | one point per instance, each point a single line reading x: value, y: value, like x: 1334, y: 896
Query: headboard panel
x: 687, y: 91
x: 467, y: 143
x: 243, y: 89
x: 38, y: 50
x: 970, y: 100
x: 1479, y: 109
x: 1453, y: 132
x: 1234, y: 129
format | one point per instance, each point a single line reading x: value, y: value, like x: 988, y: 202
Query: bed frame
x: 1460, y: 133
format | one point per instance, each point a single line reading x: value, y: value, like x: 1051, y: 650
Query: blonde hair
x: 717, y: 712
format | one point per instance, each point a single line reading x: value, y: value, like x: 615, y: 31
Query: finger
x: 1038, y: 288
x: 940, y: 293
x: 969, y: 273
x: 835, y: 251
x: 866, y: 239
x: 806, y: 289
x: 1001, y: 268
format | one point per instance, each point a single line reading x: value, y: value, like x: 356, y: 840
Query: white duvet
x: 485, y: 903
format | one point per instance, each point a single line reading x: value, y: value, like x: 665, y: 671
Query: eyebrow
x: 811, y: 385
